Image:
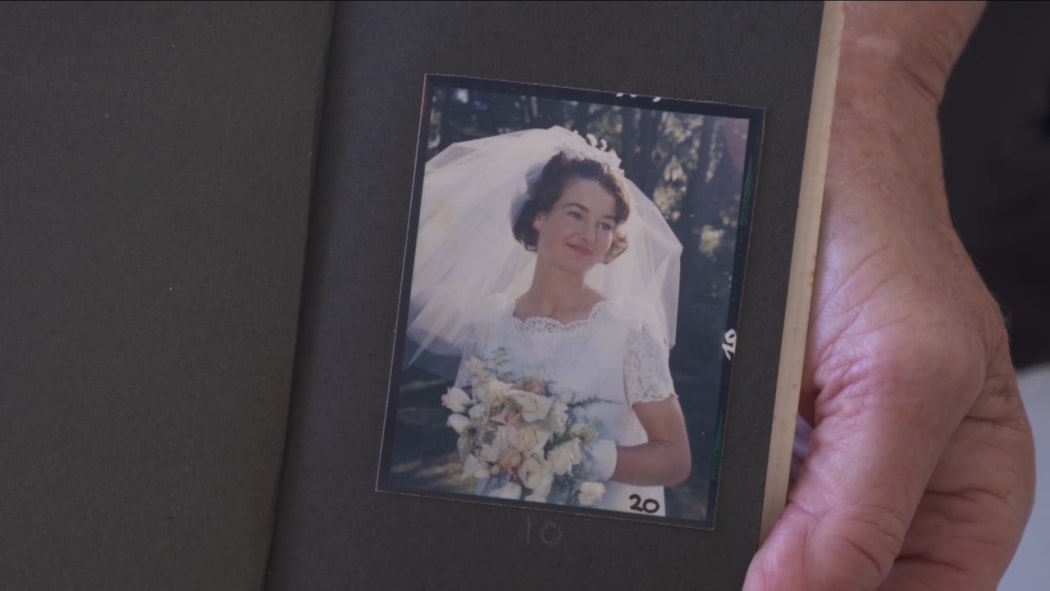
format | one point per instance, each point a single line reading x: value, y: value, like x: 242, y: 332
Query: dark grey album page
x: 155, y: 175
x: 334, y: 530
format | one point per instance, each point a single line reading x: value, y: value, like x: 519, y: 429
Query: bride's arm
x: 663, y: 461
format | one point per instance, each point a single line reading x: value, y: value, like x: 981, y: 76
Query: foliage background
x: 692, y: 167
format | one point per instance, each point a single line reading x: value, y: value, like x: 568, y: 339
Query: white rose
x: 533, y: 406
x: 566, y: 455
x: 538, y: 477
x: 477, y: 411
x: 591, y: 493
x: 511, y: 490
x: 459, y: 423
x: 530, y: 440
x: 475, y: 468
x: 491, y: 391
x: 489, y: 454
x: 506, y: 437
x: 559, y: 417
x: 455, y: 400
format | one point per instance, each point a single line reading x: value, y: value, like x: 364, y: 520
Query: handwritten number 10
x: 729, y: 344
x: 550, y: 534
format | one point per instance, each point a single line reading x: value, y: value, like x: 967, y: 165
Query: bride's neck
x: 558, y: 295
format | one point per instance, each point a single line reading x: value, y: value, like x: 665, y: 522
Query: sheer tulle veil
x: 466, y: 252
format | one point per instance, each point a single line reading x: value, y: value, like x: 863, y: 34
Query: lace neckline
x: 548, y: 324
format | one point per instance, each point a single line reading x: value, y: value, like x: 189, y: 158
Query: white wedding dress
x: 614, y: 356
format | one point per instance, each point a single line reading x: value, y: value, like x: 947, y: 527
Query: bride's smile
x: 581, y: 250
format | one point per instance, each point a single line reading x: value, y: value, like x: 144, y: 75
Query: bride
x: 559, y: 309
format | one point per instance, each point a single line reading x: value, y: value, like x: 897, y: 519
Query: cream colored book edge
x: 803, y: 266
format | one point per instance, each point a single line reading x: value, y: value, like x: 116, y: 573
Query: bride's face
x: 575, y: 235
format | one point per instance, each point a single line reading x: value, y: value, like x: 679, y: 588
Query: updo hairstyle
x: 547, y: 189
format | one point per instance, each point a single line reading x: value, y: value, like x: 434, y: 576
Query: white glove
x: 599, y: 460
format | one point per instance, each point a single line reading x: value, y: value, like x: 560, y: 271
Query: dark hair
x: 547, y: 189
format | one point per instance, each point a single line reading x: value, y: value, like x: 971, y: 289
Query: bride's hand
x: 599, y: 460
x: 920, y: 468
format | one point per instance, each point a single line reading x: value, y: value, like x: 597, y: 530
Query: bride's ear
x: 537, y: 222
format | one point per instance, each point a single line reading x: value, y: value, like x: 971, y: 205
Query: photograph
x: 570, y: 297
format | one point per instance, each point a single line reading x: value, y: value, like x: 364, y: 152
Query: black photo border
x: 748, y: 191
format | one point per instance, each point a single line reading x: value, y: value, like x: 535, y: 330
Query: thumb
x: 874, y: 446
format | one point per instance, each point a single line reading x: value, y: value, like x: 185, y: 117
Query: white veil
x: 466, y: 251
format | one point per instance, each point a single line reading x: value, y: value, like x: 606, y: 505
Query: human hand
x: 920, y: 468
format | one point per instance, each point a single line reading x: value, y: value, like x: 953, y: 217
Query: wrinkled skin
x: 920, y: 471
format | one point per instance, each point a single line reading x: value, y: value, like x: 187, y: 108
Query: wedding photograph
x: 569, y: 300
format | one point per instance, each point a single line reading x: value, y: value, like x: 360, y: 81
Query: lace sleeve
x: 646, y: 375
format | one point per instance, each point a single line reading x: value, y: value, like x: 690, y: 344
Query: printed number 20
x: 647, y: 506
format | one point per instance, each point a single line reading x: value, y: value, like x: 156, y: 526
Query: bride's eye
x: 605, y: 226
x: 575, y: 214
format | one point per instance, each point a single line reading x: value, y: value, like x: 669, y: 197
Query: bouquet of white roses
x: 521, y: 439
